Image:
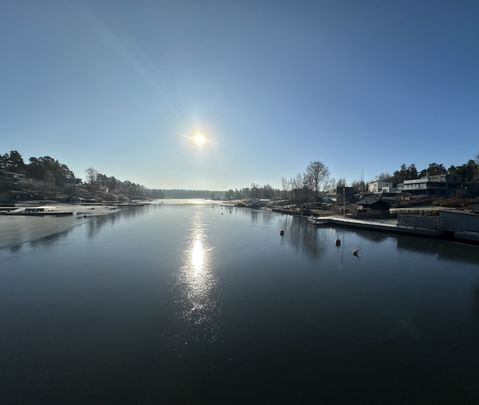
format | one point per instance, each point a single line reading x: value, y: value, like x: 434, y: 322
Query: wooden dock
x: 387, y: 226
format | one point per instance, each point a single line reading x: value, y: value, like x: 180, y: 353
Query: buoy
x: 355, y: 252
x: 281, y: 233
x: 338, y: 242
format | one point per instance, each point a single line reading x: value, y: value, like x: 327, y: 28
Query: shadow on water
x: 442, y: 249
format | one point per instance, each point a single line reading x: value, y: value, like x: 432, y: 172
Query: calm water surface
x: 193, y: 304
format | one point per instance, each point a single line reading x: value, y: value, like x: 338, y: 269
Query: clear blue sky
x: 120, y: 85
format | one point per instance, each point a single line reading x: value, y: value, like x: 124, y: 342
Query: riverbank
x: 389, y: 225
x: 443, y: 225
x: 392, y: 225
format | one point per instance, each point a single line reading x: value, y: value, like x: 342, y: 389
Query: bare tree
x: 296, y: 182
x: 330, y: 185
x: 341, y: 182
x: 359, y: 186
x: 285, y: 185
x: 315, y: 176
x: 91, y: 176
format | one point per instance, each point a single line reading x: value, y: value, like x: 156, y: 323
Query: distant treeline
x: 47, y: 178
x: 207, y: 194
x: 255, y: 191
x: 307, y: 185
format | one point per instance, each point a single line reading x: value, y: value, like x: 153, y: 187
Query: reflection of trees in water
x: 97, y: 223
x: 51, y: 239
x: 256, y: 215
x: 267, y: 215
x: 304, y: 238
x: 43, y: 241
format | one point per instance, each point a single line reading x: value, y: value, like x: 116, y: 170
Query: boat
x: 317, y: 221
x: 133, y: 203
x: 38, y: 211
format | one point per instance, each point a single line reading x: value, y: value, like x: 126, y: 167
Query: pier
x: 378, y: 225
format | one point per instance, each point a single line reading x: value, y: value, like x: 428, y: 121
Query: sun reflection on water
x: 196, y: 282
x: 197, y: 255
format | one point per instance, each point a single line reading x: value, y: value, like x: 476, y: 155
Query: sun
x: 199, y: 139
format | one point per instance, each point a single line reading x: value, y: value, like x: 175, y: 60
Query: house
x: 372, y: 206
x: 380, y: 186
x: 344, y: 194
x: 438, y: 185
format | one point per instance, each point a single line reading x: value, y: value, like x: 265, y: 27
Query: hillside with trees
x: 46, y: 178
x: 469, y: 172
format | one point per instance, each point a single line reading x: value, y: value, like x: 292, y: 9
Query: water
x: 193, y: 304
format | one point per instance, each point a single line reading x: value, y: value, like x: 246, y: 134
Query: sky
x: 122, y: 86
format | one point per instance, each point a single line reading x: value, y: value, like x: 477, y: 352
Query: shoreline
x: 388, y: 226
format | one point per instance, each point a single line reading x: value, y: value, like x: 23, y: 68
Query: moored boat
x: 38, y: 211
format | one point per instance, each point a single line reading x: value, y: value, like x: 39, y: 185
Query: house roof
x: 372, y: 200
x: 369, y: 200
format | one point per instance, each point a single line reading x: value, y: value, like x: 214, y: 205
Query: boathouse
x: 372, y: 206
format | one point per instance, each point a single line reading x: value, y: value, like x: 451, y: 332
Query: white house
x: 380, y: 186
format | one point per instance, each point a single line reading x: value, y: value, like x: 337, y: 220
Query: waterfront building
x: 372, y: 206
x: 438, y: 185
x: 344, y: 194
x: 380, y: 186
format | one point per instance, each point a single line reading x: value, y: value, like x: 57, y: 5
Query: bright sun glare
x: 197, y: 255
x: 199, y: 139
